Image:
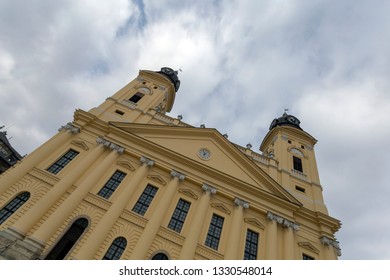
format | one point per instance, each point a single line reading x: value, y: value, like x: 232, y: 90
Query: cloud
x: 243, y: 63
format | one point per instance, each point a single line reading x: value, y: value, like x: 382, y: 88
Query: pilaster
x: 192, y: 239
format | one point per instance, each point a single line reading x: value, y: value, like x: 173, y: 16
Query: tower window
x: 112, y: 184
x: 144, y: 200
x: 116, y: 249
x: 179, y: 215
x: 13, y: 206
x: 63, y: 161
x: 119, y: 112
x: 214, y: 233
x: 298, y: 188
x: 297, y: 164
x: 251, y: 243
x: 136, y: 97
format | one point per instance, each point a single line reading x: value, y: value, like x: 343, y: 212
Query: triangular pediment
x: 157, y: 179
x: 308, y: 246
x: 254, y: 222
x: 80, y: 143
x: 188, y: 193
x: 209, y: 150
x: 126, y: 164
x: 221, y: 207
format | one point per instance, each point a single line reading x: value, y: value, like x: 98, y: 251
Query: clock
x: 144, y: 90
x: 204, y: 154
x: 167, y: 70
x: 293, y: 120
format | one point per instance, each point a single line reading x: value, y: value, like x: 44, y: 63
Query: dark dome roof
x: 172, y: 75
x: 285, y: 119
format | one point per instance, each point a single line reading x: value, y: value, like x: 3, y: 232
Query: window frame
x: 136, y: 97
x: 112, y: 184
x: 251, y: 245
x: 179, y: 215
x: 297, y: 164
x: 62, y: 161
x: 214, y: 232
x: 116, y: 249
x: 145, y: 200
x: 13, y: 205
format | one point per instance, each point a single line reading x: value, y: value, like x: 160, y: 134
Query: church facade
x: 126, y: 181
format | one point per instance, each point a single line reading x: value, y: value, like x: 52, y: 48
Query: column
x: 289, y: 248
x: 92, y: 244
x: 56, y: 219
x: 16, y: 173
x: 150, y: 231
x: 27, y: 221
x: 289, y: 244
x: 192, y: 239
x: 232, y: 250
x: 272, y: 241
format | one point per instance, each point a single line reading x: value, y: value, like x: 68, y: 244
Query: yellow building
x: 126, y: 181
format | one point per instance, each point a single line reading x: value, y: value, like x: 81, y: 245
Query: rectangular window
x: 251, y: 243
x: 179, y: 215
x: 112, y: 184
x: 214, y: 233
x: 144, y: 200
x: 136, y: 97
x: 63, y: 161
x: 297, y: 164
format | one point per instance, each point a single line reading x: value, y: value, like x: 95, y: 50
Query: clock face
x: 204, y: 154
x: 144, y: 90
x: 167, y: 70
x: 293, y: 120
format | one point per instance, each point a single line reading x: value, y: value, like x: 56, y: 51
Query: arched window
x: 65, y: 244
x: 160, y: 256
x: 13, y: 206
x: 116, y: 249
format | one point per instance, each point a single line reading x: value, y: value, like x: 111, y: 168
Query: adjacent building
x: 126, y: 181
x: 8, y: 155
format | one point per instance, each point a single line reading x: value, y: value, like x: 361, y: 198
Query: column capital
x: 110, y: 145
x: 147, y: 161
x: 280, y: 220
x: 177, y: 174
x: 209, y: 189
x: 331, y: 242
x: 69, y: 126
x: 240, y: 202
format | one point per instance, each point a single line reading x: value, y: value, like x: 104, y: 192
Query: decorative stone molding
x: 331, y: 242
x: 147, y: 161
x: 284, y: 222
x: 110, y: 145
x: 69, y: 126
x: 240, y: 202
x: 209, y: 189
x: 177, y: 174
x: 188, y: 193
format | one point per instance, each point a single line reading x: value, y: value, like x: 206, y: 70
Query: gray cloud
x: 243, y: 63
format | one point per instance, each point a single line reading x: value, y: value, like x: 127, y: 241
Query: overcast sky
x: 243, y: 63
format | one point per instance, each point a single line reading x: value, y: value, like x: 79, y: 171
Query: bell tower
x: 293, y: 149
x: 151, y: 90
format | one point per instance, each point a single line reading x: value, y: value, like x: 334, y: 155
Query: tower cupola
x: 285, y: 119
x: 172, y: 75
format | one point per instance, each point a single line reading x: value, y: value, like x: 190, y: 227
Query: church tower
x: 126, y: 181
x: 293, y: 149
